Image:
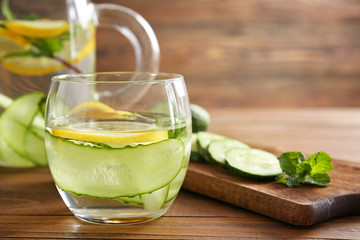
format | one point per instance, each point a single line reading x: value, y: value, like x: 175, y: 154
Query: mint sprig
x: 301, y: 170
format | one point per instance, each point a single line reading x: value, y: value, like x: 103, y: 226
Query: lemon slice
x: 11, y: 42
x: 29, y: 65
x: 84, y: 41
x: 42, y: 28
x: 96, y: 110
x: 108, y: 132
x: 112, y: 132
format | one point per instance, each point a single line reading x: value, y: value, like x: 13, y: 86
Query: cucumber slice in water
x: 218, y: 148
x: 110, y: 172
x: 136, y: 200
x: 204, y: 139
x: 155, y: 200
x: 253, y: 163
x: 176, y: 184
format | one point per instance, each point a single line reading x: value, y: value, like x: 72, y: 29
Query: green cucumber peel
x: 301, y: 170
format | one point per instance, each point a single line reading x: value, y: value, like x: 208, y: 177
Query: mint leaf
x: 321, y: 180
x: 290, y: 180
x: 30, y: 17
x: 299, y: 170
x: 320, y: 162
x: 302, y: 170
x: 289, y: 161
x: 47, y: 46
x: 5, y: 10
x: 17, y: 54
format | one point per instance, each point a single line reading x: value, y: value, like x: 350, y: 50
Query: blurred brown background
x: 251, y: 53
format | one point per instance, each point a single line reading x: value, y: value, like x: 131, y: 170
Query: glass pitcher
x: 40, y: 39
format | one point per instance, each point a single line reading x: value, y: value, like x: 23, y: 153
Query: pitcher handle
x: 136, y: 29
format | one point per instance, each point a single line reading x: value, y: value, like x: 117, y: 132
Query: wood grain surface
x: 303, y: 206
x: 253, y: 53
x: 31, y: 208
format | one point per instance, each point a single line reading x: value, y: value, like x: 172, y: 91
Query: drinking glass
x: 40, y: 39
x: 116, y: 161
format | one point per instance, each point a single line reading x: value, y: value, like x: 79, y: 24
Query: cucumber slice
x: 35, y: 148
x: 136, y: 200
x: 195, y: 154
x: 200, y: 118
x: 176, y: 184
x: 204, y: 139
x: 17, y: 118
x: 9, y: 158
x: 110, y: 172
x: 37, y: 125
x: 155, y: 200
x: 253, y: 163
x: 5, y: 101
x: 218, y: 148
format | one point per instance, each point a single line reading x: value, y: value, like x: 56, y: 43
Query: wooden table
x: 30, y: 207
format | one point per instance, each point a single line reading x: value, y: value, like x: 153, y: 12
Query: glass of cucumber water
x: 118, y: 144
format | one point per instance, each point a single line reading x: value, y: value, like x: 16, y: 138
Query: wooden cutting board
x: 303, y: 206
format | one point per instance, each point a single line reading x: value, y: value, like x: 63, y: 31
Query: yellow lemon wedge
x: 112, y: 133
x: 42, y: 28
x: 11, y: 42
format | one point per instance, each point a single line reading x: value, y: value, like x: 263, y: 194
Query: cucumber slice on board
x: 218, y: 148
x: 195, y: 154
x: 253, y: 163
x: 110, y: 172
x: 204, y: 139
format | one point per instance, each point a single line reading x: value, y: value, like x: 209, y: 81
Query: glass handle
x: 136, y: 29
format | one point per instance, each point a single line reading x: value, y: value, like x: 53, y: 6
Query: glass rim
x: 74, y: 77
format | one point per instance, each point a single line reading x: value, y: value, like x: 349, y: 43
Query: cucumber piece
x: 35, y: 148
x: 204, y: 139
x: 5, y: 101
x: 218, y: 148
x: 200, y: 118
x: 113, y: 172
x: 155, y: 200
x: 17, y: 118
x: 9, y: 158
x: 253, y: 163
x: 135, y: 200
x: 195, y: 154
x: 176, y: 184
x: 37, y: 125
x: 32, y: 146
